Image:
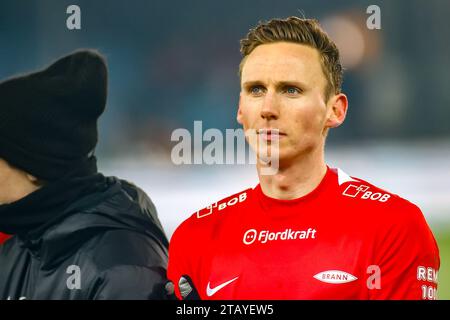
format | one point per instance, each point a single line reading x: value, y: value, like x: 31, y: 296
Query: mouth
x: 270, y: 134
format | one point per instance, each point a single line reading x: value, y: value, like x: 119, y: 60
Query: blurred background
x: 174, y: 62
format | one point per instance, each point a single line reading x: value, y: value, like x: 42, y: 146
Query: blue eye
x: 256, y: 90
x: 292, y: 90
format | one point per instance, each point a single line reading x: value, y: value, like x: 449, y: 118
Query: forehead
x: 283, y: 61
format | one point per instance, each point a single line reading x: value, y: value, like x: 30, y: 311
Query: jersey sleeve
x: 178, y: 264
x: 408, y: 259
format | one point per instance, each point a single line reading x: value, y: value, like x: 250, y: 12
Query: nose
x: 270, y: 109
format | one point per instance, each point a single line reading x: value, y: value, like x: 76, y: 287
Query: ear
x: 239, y: 112
x: 338, y: 111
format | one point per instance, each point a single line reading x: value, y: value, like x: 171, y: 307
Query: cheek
x: 248, y: 113
x: 3, y: 176
x: 309, y: 116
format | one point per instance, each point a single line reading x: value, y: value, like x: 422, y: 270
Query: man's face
x: 6, y: 174
x: 283, y: 87
x: 14, y: 183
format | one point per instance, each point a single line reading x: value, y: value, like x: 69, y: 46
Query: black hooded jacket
x: 106, y: 244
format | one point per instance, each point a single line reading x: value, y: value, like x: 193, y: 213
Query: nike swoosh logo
x: 212, y: 291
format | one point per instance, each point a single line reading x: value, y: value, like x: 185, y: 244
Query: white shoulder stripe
x: 343, y: 177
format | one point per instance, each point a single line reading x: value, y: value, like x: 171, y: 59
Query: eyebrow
x: 279, y: 84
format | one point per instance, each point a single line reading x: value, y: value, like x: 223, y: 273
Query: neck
x: 36, y: 211
x: 295, y: 178
x: 14, y: 190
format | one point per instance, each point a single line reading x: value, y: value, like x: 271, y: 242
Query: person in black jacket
x: 76, y: 234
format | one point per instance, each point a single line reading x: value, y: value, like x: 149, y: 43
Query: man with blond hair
x: 307, y: 231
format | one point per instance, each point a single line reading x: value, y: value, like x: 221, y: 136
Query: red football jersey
x: 347, y: 239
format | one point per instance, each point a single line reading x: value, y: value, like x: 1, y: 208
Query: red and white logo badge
x: 335, y: 276
x: 353, y: 191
